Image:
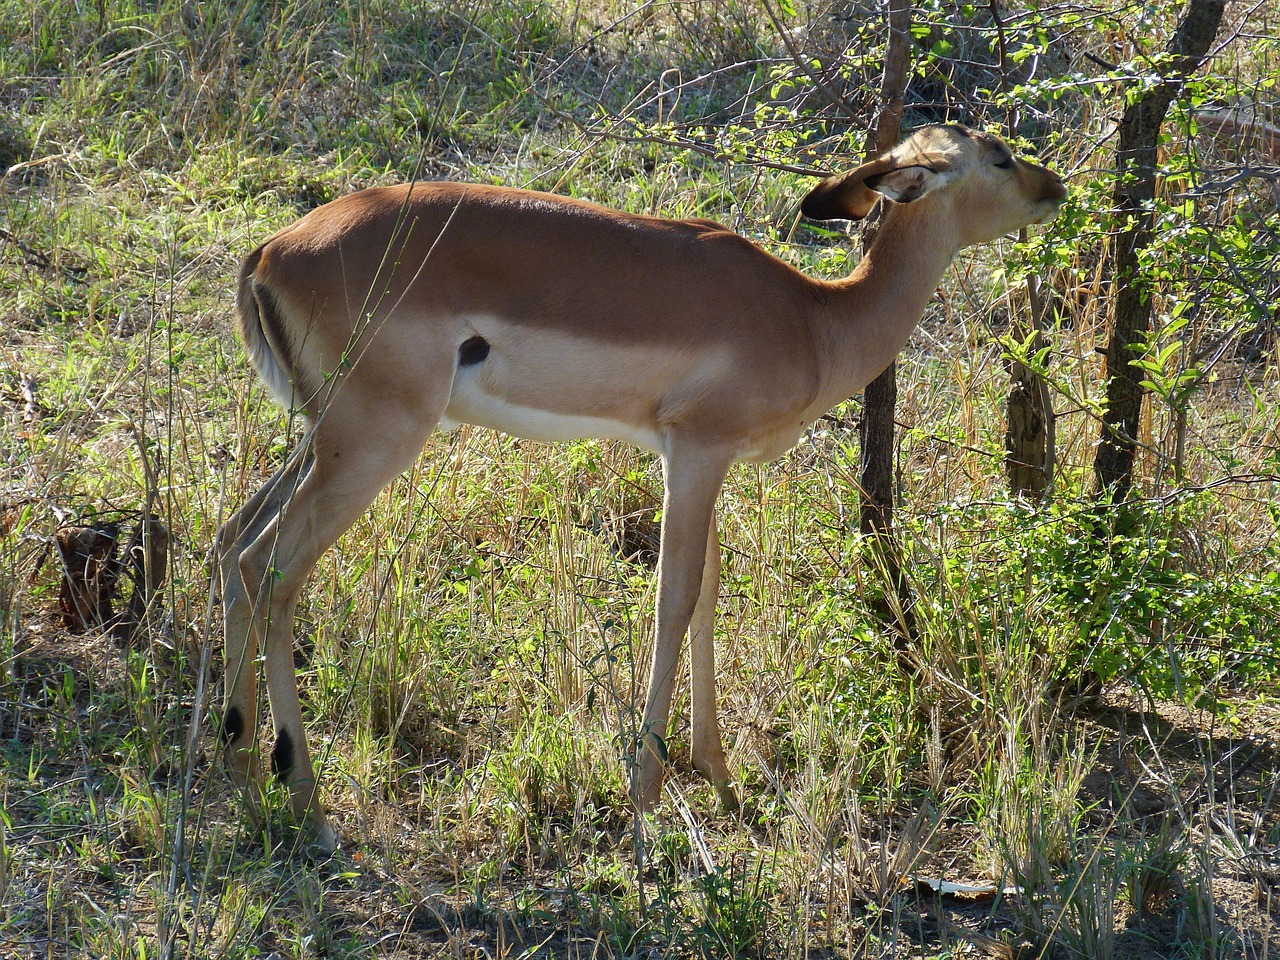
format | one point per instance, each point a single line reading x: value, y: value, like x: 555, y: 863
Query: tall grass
x: 1070, y: 722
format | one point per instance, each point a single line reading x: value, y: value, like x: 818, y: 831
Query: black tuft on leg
x: 282, y: 755
x: 232, y: 726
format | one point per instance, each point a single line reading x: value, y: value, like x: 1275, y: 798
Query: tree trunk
x: 1026, y: 434
x: 880, y: 398
x: 1030, y: 439
x: 1029, y: 418
x: 876, y: 429
x: 1136, y: 162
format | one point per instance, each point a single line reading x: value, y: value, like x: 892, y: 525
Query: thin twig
x: 798, y: 59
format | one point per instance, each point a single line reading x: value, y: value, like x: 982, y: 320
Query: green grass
x: 1087, y: 711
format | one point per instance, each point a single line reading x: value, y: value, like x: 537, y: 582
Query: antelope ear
x: 850, y: 196
x: 847, y: 196
x: 910, y: 183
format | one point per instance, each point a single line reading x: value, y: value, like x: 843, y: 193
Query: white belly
x: 469, y: 404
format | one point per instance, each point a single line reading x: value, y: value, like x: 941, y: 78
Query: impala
x: 388, y: 312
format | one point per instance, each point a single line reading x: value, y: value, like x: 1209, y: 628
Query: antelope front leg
x: 694, y: 475
x: 707, y: 747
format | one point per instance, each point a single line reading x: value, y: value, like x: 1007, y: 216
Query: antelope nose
x: 1056, y: 188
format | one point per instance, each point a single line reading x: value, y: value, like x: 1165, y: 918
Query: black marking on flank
x: 473, y: 351
x: 282, y: 754
x: 232, y: 726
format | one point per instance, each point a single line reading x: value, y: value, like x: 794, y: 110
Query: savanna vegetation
x: 1054, y: 733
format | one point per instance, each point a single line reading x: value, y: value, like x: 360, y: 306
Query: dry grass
x: 1086, y: 713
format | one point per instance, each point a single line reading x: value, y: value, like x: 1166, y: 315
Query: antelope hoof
x: 324, y: 842
x: 728, y: 799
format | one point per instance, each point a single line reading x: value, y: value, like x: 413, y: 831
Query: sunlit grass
x: 472, y: 653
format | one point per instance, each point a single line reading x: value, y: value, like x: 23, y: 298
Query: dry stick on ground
x: 1136, y: 163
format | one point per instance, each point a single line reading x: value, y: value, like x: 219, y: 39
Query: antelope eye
x: 1005, y: 164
